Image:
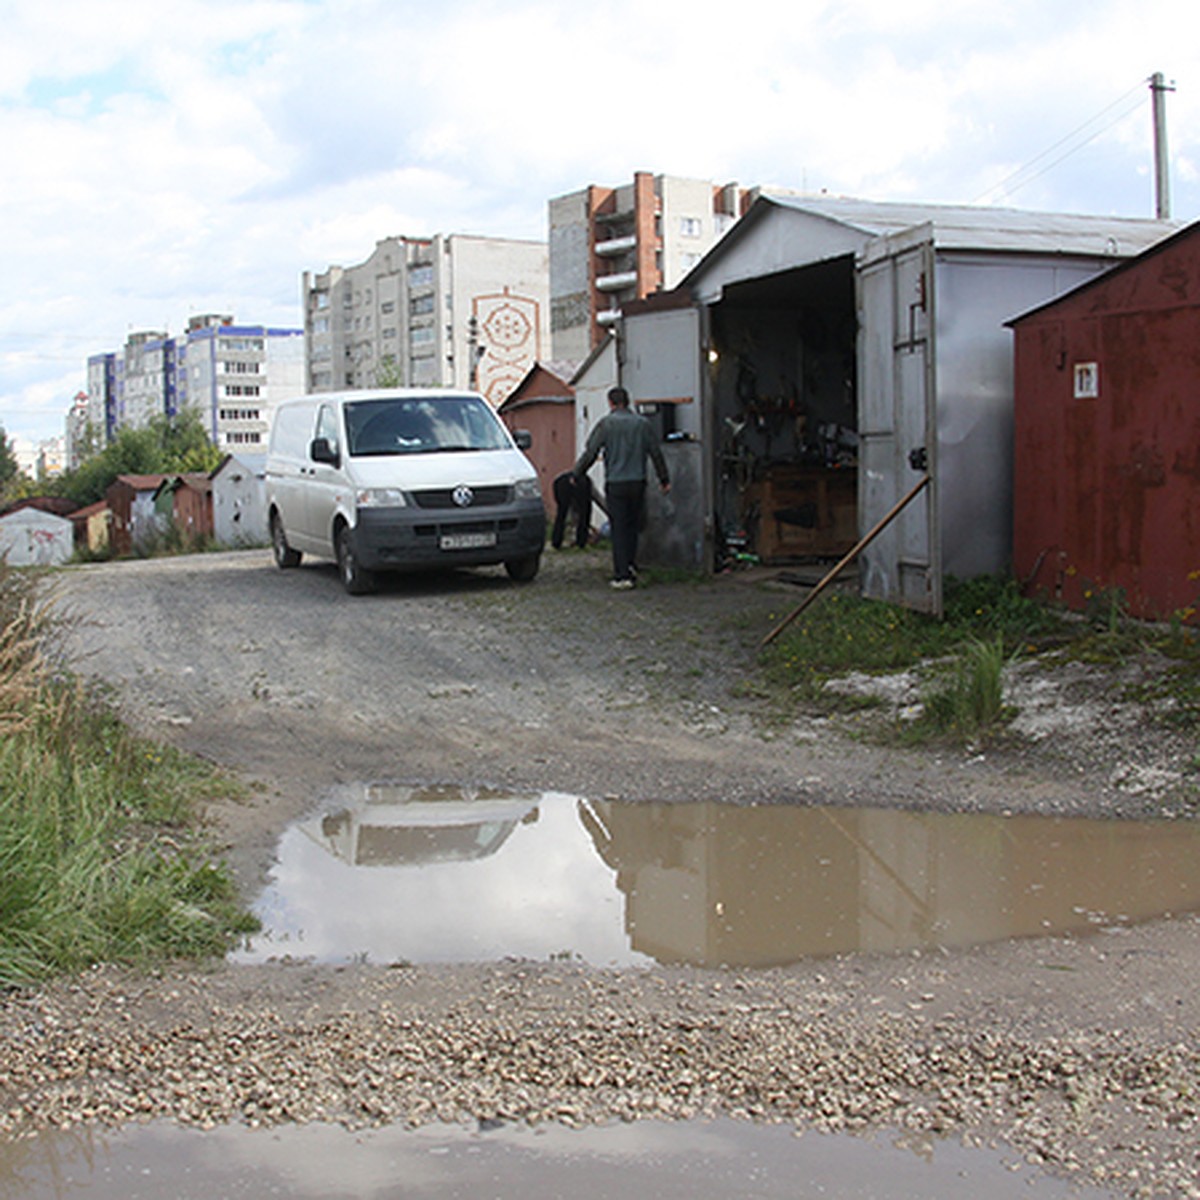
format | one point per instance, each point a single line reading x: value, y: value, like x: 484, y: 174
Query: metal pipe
x: 1162, y: 185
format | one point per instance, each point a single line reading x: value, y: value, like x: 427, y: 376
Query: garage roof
x: 799, y: 230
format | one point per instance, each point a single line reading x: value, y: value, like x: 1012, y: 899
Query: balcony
x: 617, y: 245
x: 617, y: 282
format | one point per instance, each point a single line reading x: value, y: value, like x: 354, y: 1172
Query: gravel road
x: 1081, y: 1052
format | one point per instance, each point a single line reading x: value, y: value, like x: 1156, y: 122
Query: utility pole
x: 1162, y: 183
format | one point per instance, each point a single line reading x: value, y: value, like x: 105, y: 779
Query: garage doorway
x: 783, y: 387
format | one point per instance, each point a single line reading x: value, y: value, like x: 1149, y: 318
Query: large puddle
x: 687, y: 1161
x: 391, y: 873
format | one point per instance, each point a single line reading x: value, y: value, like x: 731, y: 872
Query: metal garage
x: 829, y: 353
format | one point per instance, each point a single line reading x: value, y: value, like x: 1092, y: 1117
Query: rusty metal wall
x: 1107, y: 439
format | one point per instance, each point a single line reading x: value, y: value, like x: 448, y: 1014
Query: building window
x: 421, y: 304
x: 421, y: 276
x: 388, y: 306
x: 690, y: 226
x: 241, y: 368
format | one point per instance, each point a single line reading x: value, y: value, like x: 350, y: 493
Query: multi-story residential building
x: 75, y: 429
x: 445, y: 311
x: 148, y: 358
x: 104, y: 372
x: 235, y: 375
x: 52, y: 457
x: 232, y: 375
x: 609, y: 245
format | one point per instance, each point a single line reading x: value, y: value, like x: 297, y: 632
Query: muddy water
x: 649, y: 1160
x: 388, y: 872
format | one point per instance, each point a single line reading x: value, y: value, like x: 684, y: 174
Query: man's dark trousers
x: 571, y: 494
x: 625, y: 500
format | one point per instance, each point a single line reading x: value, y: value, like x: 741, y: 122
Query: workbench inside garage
x: 804, y: 511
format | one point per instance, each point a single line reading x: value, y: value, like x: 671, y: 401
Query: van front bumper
x: 395, y: 538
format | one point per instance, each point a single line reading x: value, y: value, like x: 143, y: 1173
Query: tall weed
x: 99, y: 855
x: 966, y: 698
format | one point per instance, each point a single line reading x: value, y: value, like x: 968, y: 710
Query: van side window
x: 327, y: 426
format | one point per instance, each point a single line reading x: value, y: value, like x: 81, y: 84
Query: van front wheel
x: 285, y: 556
x: 522, y: 570
x: 356, y: 579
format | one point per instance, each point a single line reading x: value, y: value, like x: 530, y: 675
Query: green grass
x: 986, y: 622
x: 101, y: 858
x: 962, y: 657
x: 966, y: 697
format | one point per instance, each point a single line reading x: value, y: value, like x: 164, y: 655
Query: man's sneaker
x: 621, y: 585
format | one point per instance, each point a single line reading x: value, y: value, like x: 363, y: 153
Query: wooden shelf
x: 805, y: 511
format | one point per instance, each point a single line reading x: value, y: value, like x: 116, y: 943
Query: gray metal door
x: 660, y: 368
x: 897, y: 427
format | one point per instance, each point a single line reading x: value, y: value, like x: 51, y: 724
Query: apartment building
x: 610, y: 245
x: 446, y: 311
x: 233, y: 375
x: 147, y: 371
x: 104, y: 373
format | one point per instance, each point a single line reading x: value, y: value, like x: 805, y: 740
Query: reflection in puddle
x: 396, y: 873
x: 696, y: 1160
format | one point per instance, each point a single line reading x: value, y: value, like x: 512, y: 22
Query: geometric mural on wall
x: 508, y: 336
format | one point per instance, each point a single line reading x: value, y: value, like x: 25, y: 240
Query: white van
x: 401, y: 478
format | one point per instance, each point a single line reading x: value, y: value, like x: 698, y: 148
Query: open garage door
x: 897, y: 442
x: 660, y: 367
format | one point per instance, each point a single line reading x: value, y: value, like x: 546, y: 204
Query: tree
x: 9, y: 467
x: 389, y: 372
x: 184, y: 444
x: 167, y: 446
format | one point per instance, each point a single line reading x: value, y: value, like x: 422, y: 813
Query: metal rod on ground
x: 897, y: 508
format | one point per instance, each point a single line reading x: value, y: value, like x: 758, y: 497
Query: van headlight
x: 381, y: 498
x: 528, y: 489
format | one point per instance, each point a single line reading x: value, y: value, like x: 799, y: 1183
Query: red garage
x: 1106, y: 488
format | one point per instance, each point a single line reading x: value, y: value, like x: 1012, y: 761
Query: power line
x: 1008, y: 179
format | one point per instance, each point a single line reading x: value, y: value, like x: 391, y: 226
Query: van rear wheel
x: 285, y: 556
x: 356, y: 579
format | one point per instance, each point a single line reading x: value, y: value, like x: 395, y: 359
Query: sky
x: 164, y: 158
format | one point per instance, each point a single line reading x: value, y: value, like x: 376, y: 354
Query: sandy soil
x: 1080, y: 1051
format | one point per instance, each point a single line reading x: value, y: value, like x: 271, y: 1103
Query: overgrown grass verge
x: 101, y: 859
x: 962, y: 656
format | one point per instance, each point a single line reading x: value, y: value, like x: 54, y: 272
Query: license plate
x: 467, y: 541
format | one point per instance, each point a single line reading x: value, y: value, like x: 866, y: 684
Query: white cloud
x: 164, y: 158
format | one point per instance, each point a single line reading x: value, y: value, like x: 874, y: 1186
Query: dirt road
x: 1079, y: 1051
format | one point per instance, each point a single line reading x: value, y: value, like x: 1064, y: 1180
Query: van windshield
x: 422, y: 425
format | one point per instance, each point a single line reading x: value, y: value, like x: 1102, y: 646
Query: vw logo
x: 462, y: 496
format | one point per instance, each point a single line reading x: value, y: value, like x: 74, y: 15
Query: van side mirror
x: 321, y: 451
x: 523, y: 438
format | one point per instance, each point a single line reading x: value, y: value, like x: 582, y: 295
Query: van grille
x: 483, y: 497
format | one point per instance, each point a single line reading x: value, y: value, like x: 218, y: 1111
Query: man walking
x: 626, y: 441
